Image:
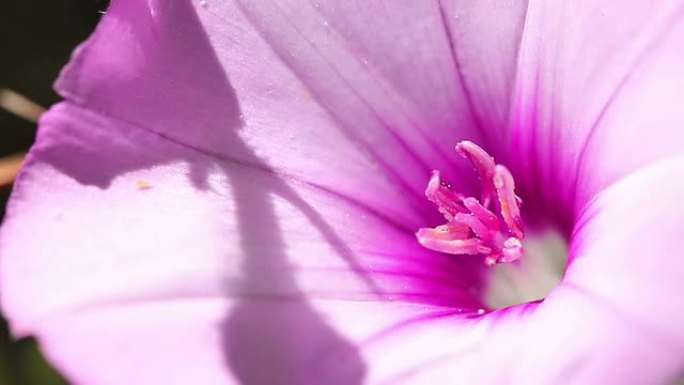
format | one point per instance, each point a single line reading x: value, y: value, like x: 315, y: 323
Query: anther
x: 491, y: 227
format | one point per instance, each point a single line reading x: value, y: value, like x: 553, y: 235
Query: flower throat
x: 490, y: 227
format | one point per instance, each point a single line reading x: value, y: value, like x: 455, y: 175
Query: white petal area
x: 217, y: 341
x: 615, y: 319
x: 626, y: 251
x: 139, y: 343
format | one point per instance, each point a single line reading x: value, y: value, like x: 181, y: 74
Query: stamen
x: 482, y: 213
x: 440, y: 193
x: 491, y: 227
x: 484, y: 166
x: 453, y: 246
x: 479, y: 228
x: 509, y: 203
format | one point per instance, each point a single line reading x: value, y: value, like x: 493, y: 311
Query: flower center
x: 531, y: 278
x: 490, y: 226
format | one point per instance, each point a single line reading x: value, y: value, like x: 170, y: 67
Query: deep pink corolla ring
x: 233, y: 192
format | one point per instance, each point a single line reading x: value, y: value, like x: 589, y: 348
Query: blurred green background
x: 36, y: 39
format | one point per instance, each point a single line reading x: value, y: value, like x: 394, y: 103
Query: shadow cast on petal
x: 273, y: 340
x: 266, y: 339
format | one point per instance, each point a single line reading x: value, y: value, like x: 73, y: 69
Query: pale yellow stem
x: 20, y: 105
x: 9, y: 167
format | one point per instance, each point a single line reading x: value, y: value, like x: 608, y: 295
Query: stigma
x: 490, y: 226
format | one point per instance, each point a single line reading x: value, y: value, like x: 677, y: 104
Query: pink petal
x: 598, y: 95
x: 261, y: 342
x: 615, y: 319
x: 108, y: 215
x: 377, y: 83
x: 213, y: 159
x: 157, y: 209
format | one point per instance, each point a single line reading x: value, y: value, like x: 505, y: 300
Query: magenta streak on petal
x: 420, y: 128
x: 389, y: 169
x: 459, y: 71
x: 472, y: 228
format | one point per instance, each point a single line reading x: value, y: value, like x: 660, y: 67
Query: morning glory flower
x: 329, y: 192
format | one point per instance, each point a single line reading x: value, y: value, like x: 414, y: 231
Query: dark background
x: 36, y: 39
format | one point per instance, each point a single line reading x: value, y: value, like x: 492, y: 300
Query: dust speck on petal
x: 143, y: 184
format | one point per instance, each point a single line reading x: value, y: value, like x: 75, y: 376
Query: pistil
x: 490, y: 226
